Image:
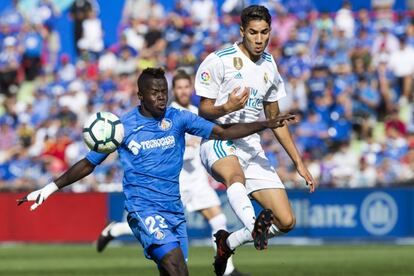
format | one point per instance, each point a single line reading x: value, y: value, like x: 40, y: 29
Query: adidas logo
x: 238, y: 76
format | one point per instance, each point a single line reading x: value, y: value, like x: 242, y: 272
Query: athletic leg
x: 277, y: 201
x: 172, y: 263
x: 228, y: 171
x: 110, y: 232
x: 218, y: 221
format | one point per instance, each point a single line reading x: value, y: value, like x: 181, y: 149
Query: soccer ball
x: 103, y: 132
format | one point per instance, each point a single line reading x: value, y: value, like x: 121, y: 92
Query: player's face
x: 255, y: 37
x: 182, y: 92
x: 155, y: 97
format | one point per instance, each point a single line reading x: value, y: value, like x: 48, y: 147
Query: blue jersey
x: 151, y: 156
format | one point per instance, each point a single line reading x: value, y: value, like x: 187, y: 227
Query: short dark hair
x: 180, y: 75
x: 149, y: 74
x: 255, y: 12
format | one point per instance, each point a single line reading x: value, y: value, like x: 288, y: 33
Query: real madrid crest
x: 266, y: 77
x: 237, y: 63
x: 165, y: 124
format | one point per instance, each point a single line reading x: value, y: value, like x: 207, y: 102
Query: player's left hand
x: 304, y: 172
x: 280, y: 120
x: 38, y: 196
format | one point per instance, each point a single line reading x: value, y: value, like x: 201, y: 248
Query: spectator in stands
x: 79, y: 12
x: 67, y: 71
x: 204, y: 15
x: 10, y: 58
x: 384, y: 42
x: 12, y: 17
x: 92, y: 35
x: 311, y: 134
x: 365, y: 176
x: 366, y: 99
x: 344, y: 19
x: 32, y: 42
x: 401, y: 63
x: 136, y: 9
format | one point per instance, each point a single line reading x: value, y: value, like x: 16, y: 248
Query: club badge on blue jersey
x: 165, y: 124
x: 159, y: 235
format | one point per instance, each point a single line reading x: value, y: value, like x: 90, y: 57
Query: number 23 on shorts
x: 155, y: 223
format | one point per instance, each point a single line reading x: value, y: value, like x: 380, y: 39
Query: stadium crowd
x: 348, y: 77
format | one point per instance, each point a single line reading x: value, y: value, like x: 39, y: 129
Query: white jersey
x: 192, y: 167
x: 196, y: 192
x: 224, y: 70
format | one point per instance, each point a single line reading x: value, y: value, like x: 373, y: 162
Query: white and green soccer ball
x: 103, y: 132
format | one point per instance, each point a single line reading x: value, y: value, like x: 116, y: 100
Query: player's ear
x: 139, y: 95
x: 242, y: 31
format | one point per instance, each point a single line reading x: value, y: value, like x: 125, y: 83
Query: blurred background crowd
x: 348, y: 76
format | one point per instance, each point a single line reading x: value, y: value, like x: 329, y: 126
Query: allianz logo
x: 378, y: 214
x: 327, y: 215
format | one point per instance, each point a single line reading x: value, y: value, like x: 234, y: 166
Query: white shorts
x: 259, y: 173
x: 197, y: 194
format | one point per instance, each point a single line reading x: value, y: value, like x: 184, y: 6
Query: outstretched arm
x: 78, y: 171
x: 240, y: 130
x: 284, y: 137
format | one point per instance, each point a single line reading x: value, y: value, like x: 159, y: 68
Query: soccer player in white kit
x: 241, y: 164
x: 196, y: 193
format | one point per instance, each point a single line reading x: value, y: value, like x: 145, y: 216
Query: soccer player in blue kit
x: 151, y: 155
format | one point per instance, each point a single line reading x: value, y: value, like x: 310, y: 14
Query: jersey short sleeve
x: 277, y: 91
x: 195, y: 125
x: 209, y: 76
x: 96, y: 158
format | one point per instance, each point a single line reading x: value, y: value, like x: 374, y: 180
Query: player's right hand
x: 237, y: 100
x: 280, y: 120
x: 38, y: 196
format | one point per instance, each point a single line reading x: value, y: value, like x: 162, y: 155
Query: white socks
x: 274, y: 231
x: 120, y: 229
x: 239, y: 237
x: 241, y: 204
x: 217, y: 223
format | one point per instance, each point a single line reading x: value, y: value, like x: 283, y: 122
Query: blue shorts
x: 154, y: 229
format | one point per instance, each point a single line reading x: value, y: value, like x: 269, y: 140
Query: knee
x: 174, y: 265
x: 236, y: 177
x: 176, y: 268
x: 288, y: 223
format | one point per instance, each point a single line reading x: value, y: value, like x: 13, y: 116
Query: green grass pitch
x: 277, y: 260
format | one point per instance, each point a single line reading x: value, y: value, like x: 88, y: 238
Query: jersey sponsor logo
x: 379, y: 213
x: 134, y: 147
x: 238, y: 76
x: 163, y: 143
x: 237, y: 63
x: 254, y: 100
x: 165, y: 124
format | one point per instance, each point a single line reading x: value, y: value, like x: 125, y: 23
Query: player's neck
x: 146, y: 113
x: 248, y: 54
